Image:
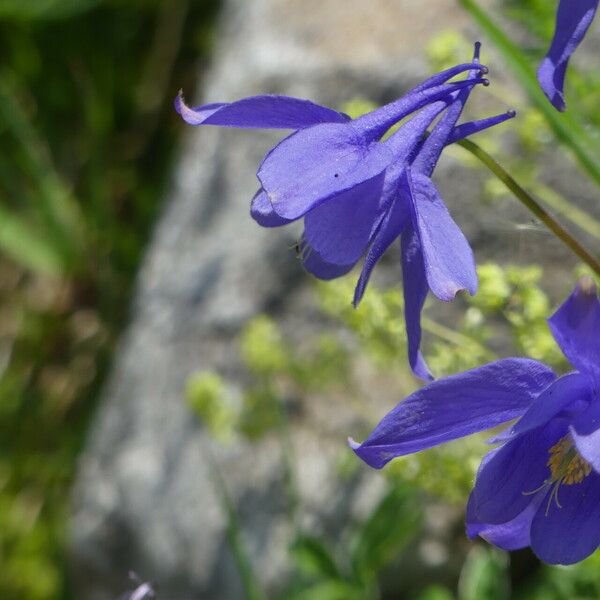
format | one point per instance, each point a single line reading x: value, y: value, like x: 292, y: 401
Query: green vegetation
x: 511, y: 305
x: 87, y: 136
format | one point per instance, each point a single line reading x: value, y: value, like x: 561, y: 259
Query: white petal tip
x: 354, y: 445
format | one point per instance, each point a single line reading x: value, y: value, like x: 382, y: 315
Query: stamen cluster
x: 566, y: 465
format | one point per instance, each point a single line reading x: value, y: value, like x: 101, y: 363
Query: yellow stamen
x: 566, y: 467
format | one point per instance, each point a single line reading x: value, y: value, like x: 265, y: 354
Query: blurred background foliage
x: 88, y: 137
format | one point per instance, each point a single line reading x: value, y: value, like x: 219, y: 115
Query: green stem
x: 524, y: 197
x: 566, y: 209
x: 250, y: 583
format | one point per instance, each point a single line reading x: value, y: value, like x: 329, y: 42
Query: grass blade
x: 27, y: 248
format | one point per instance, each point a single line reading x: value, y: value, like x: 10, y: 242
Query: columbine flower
x: 358, y: 194
x: 541, y: 486
x: 573, y: 19
x: 435, y: 254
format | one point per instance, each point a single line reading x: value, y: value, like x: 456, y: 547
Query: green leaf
x: 44, y: 9
x: 51, y: 200
x: 567, y: 128
x: 484, y: 576
x: 329, y: 590
x: 250, y: 583
x: 435, y: 592
x: 386, y: 532
x: 28, y: 248
x: 313, y: 557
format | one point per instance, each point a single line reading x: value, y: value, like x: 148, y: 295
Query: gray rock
x: 145, y: 499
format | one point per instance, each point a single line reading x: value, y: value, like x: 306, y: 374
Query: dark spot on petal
x: 336, y: 175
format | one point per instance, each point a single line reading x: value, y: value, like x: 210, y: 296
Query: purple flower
x: 435, y: 254
x: 143, y: 590
x: 541, y: 486
x: 573, y: 19
x: 358, y: 193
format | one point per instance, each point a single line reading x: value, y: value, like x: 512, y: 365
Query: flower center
x: 566, y: 467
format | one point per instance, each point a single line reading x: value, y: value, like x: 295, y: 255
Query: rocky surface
x: 145, y: 498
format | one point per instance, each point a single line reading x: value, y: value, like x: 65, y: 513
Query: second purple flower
x: 541, y: 486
